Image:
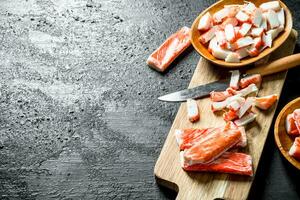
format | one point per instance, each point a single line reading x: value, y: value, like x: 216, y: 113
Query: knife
x: 201, y: 91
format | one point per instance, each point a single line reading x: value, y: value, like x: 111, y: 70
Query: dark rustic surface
x: 79, y: 117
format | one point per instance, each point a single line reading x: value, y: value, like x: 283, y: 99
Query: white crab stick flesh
x: 229, y: 33
x: 242, y: 52
x: 281, y: 17
x: 290, y: 125
x: 220, y: 53
x: 208, y: 35
x: 220, y: 35
x: 257, y: 18
x: 213, y: 44
x: 249, y: 8
x: 221, y: 14
x: 275, y: 32
x: 193, y: 111
x: 243, y: 141
x: 232, y: 58
x: 242, y: 17
x: 264, y: 24
x: 250, y: 89
x: 205, y: 22
x: 244, y: 29
x: 234, y: 80
x: 295, y: 149
x: 245, y: 119
x: 242, y: 42
x: 272, y: 19
x: 272, y: 5
x: 245, y: 107
x: 257, y: 32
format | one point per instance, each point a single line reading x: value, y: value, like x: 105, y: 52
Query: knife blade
x: 196, y: 92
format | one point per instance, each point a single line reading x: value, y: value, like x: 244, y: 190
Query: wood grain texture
x: 202, y: 49
x: 190, y: 185
x: 282, y: 139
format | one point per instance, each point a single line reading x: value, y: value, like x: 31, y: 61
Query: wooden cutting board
x: 202, y: 185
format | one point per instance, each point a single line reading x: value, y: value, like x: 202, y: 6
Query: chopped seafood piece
x: 295, y: 149
x: 245, y: 107
x: 219, y: 96
x: 234, y: 79
x: 232, y: 58
x: 290, y: 126
x: 281, y: 17
x: 265, y: 102
x: 212, y: 145
x: 272, y: 5
x: 296, y: 116
x: 220, y: 53
x: 231, y: 20
x: 229, y: 162
x: 250, y: 117
x: 252, y: 51
x: 205, y: 22
x: 220, y: 35
x: 230, y: 115
x: 249, y: 8
x: 162, y: 57
x: 193, y: 111
x: 213, y: 44
x: 264, y: 24
x: 242, y: 42
x: 243, y: 141
x: 242, y: 52
x: 258, y: 43
x: 216, y: 106
x: 257, y: 32
x: 267, y: 41
x: 257, y: 18
x: 236, y: 104
x: 251, y: 89
x: 221, y: 14
x: 242, y: 17
x: 275, y: 32
x: 254, y: 78
x: 272, y: 19
x: 208, y: 35
x: 245, y: 28
x: 229, y: 33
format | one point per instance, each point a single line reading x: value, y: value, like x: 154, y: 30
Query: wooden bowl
x: 282, y: 139
x: 202, y: 50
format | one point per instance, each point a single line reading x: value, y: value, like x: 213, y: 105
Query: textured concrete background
x: 79, y: 117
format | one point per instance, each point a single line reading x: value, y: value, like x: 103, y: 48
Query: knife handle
x: 279, y: 65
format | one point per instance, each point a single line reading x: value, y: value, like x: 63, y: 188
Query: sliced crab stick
x: 231, y: 20
x: 232, y: 58
x: 230, y: 115
x: 251, y: 89
x: 236, y: 104
x: 272, y: 5
x: 219, y: 96
x: 245, y: 107
x: 244, y: 29
x: 257, y: 32
x: 257, y: 18
x: 234, y: 79
x: 295, y: 149
x: 220, y: 53
x: 213, y: 44
x: 243, y: 141
x: 296, y: 116
x: 275, y: 32
x: 281, y: 17
x: 242, y: 52
x: 254, y: 78
x: 249, y: 8
x: 229, y: 33
x: 221, y: 14
x: 267, y: 41
x: 272, y: 19
x: 242, y: 17
x: 265, y: 102
x: 246, y: 119
x: 220, y: 36
x: 242, y: 42
x: 193, y: 111
x: 216, y: 106
x: 205, y: 22
x: 264, y: 24
x: 252, y: 51
x: 229, y: 162
x: 290, y: 126
x: 258, y: 43
x: 212, y: 146
x: 162, y: 57
x: 208, y: 35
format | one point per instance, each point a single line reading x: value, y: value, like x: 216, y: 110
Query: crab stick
x: 193, y: 111
x: 234, y: 79
x: 229, y: 162
x: 162, y: 57
x: 242, y: 17
x: 230, y: 115
x: 275, y: 32
x: 295, y: 149
x: 205, y: 22
x: 229, y: 33
x: 250, y: 89
x: 220, y: 36
x: 221, y: 14
x: 257, y: 32
x: 249, y: 8
x: 242, y: 42
x: 257, y: 18
x: 232, y: 58
x: 212, y: 145
x: 296, y: 116
x: 242, y: 52
x: 290, y: 126
x: 272, y: 19
x: 213, y: 44
x: 254, y: 78
x: 245, y: 28
x: 208, y: 35
x: 272, y: 5
x: 245, y: 107
x: 281, y: 17
x: 216, y: 106
x: 265, y: 102
x: 246, y: 119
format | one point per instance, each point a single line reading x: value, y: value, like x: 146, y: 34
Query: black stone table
x: 79, y: 118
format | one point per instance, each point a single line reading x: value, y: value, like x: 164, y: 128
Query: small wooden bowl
x: 282, y: 139
x: 202, y: 50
